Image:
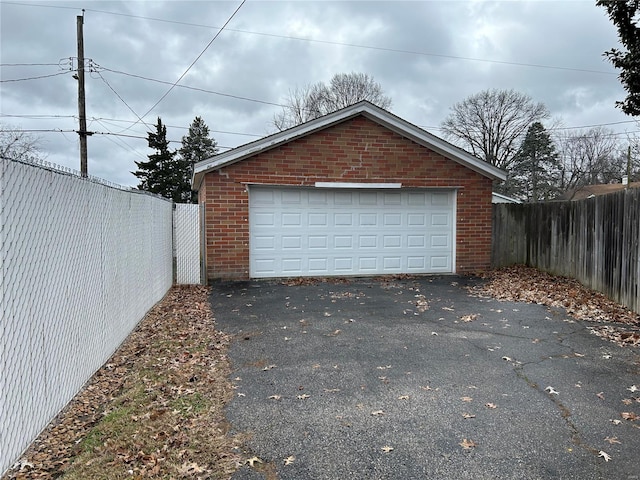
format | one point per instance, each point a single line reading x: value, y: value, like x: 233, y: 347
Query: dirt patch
x: 526, y: 284
x: 154, y: 410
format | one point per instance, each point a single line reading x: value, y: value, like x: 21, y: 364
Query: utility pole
x: 82, y: 132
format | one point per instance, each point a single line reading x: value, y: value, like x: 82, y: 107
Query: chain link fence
x: 187, y: 238
x: 82, y: 262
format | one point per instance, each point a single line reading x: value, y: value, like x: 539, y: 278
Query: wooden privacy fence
x: 596, y: 241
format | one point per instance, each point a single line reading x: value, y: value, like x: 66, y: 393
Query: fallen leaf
x: 491, y: 405
x: 629, y: 416
x: 600, y: 395
x: 252, y: 461
x: 434, y: 333
x: 551, y: 391
x: 387, y: 449
x: 627, y: 401
x: 467, y: 444
x: 633, y: 388
x: 331, y: 390
x: 466, y: 399
x: 384, y: 368
x: 604, y: 455
x: 612, y: 440
x: 448, y: 309
x: 190, y: 469
x: 289, y: 460
x: 469, y: 318
x: 616, y: 421
x: 269, y: 367
x: 426, y: 387
x: 403, y: 397
x: 304, y: 396
x: 275, y: 397
x: 468, y: 415
x: 507, y: 359
x: 375, y: 413
x: 241, y: 395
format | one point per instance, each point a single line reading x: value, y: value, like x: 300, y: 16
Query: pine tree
x: 196, y: 147
x: 536, y: 166
x: 163, y: 173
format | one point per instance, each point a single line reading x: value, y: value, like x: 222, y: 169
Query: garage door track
x: 416, y: 378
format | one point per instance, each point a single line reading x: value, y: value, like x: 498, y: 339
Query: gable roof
x: 364, y: 108
x: 589, y: 191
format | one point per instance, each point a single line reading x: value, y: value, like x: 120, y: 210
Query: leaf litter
x: 150, y: 409
x: 526, y: 284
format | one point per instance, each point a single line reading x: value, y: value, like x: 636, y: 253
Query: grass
x: 153, y: 411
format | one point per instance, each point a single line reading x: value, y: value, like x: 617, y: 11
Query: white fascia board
x: 426, y: 139
x: 372, y: 112
x: 356, y: 185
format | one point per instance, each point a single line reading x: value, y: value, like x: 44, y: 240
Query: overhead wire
x: 123, y: 101
x: 332, y: 42
x: 204, y: 90
x: 197, y: 58
x: 34, y: 78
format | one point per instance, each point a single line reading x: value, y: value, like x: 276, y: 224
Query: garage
x: 357, y: 192
x: 348, y: 231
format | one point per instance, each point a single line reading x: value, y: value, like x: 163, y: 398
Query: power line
x: 213, y: 92
x: 29, y: 64
x: 33, y: 78
x: 197, y: 58
x: 331, y: 42
x: 123, y: 101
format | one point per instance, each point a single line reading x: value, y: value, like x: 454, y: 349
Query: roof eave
x: 374, y: 113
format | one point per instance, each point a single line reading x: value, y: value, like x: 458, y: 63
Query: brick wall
x: 358, y: 150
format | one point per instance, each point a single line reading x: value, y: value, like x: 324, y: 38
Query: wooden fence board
x: 596, y: 241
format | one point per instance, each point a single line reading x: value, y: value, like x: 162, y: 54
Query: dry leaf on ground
x: 467, y: 444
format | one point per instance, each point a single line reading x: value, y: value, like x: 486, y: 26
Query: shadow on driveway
x: 416, y: 378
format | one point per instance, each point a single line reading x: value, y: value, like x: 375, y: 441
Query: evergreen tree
x: 536, y: 166
x: 163, y: 173
x: 196, y: 147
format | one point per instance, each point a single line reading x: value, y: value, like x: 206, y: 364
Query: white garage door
x: 324, y: 231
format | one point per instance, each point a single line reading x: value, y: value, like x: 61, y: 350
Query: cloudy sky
x: 427, y: 56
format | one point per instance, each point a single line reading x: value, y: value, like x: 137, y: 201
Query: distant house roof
x: 499, y: 198
x: 596, y: 190
x: 368, y: 110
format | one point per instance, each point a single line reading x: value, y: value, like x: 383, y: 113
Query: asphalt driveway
x: 416, y: 378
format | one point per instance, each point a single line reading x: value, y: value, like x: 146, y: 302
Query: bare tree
x: 313, y: 101
x: 16, y: 144
x: 491, y: 124
x: 302, y: 104
x: 589, y: 157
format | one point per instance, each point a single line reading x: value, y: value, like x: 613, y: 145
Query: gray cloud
x: 263, y: 65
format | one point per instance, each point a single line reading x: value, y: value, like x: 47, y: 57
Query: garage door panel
x: 343, y: 241
x: 318, y: 242
x: 440, y: 263
x: 368, y: 198
x: 368, y: 219
x: 392, y: 263
x: 368, y: 264
x: 307, y: 231
x: 440, y: 241
x: 343, y: 264
x: 318, y: 220
x: 439, y: 219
